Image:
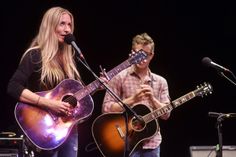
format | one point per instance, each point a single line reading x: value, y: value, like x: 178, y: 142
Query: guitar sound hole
x: 138, y: 125
x: 70, y: 99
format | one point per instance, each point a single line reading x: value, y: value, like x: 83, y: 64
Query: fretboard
x: 96, y: 84
x: 161, y: 111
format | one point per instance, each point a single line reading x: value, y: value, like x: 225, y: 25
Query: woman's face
x: 64, y: 27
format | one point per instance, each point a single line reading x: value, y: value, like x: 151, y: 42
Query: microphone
x: 70, y: 39
x: 208, y: 62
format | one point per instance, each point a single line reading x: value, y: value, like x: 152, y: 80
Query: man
x: 138, y: 85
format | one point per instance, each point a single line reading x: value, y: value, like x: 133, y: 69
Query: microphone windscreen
x: 69, y: 38
x: 206, y: 61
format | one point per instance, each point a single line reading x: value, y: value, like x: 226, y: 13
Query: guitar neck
x: 90, y: 88
x: 161, y: 111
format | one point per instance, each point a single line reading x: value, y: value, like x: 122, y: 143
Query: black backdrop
x: 184, y: 32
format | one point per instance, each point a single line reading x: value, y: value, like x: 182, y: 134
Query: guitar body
x: 109, y: 131
x: 46, y: 130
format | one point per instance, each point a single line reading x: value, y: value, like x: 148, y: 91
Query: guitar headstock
x: 137, y: 57
x: 203, y: 89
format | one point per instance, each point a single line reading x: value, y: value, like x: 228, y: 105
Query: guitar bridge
x: 119, y: 130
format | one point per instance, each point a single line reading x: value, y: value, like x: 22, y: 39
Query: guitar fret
x: 183, y: 99
x: 157, y: 113
x: 119, y: 68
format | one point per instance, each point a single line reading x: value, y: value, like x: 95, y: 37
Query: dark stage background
x: 184, y: 32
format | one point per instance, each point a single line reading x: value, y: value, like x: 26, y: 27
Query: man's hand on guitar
x: 145, y: 92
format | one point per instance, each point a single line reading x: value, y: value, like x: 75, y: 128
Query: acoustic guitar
x: 109, y: 131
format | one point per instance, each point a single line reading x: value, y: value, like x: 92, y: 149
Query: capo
x: 104, y: 73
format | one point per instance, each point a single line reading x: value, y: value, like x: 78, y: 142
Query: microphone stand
x: 128, y: 110
x: 219, y: 152
x: 220, y: 118
x: 227, y: 78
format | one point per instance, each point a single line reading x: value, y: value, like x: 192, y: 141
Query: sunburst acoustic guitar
x: 109, y: 131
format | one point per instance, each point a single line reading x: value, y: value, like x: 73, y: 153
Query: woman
x: 47, y: 62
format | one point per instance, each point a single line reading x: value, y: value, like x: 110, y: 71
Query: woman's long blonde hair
x: 54, y: 69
